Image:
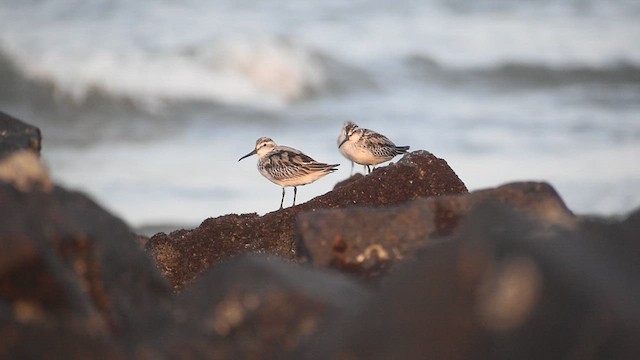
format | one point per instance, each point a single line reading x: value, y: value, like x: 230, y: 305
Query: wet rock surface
x: 502, y: 273
x: 184, y: 254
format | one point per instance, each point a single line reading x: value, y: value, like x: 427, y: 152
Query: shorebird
x: 366, y: 147
x: 342, y: 149
x: 287, y: 166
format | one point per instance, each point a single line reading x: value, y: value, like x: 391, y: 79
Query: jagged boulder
x: 69, y: 269
x: 507, y: 285
x: 255, y: 307
x: 182, y: 255
x: 369, y: 241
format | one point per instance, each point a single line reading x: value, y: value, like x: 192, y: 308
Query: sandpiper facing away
x: 287, y: 166
x: 366, y: 147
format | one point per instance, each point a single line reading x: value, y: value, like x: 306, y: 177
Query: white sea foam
x: 256, y: 73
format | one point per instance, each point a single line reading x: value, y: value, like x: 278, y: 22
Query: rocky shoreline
x: 404, y: 263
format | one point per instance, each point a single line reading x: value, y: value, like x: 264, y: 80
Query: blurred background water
x: 147, y: 105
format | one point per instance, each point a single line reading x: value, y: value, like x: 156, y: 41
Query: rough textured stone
x: 183, y: 254
x: 507, y: 285
x: 418, y: 174
x: 16, y: 135
x: 253, y: 307
x: 368, y: 241
x: 69, y: 267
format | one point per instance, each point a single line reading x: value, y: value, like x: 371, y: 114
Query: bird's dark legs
x: 282, y: 200
x: 351, y: 169
x: 295, y: 192
x: 368, y: 169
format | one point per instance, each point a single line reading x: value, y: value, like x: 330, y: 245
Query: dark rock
x: 69, y: 268
x: 588, y: 302
x: 259, y: 308
x: 418, y: 174
x: 507, y: 285
x: 424, y: 310
x: 368, y: 241
x: 21, y: 339
x: 16, y: 135
x: 183, y: 254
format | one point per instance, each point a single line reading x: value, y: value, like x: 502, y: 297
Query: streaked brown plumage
x: 286, y: 166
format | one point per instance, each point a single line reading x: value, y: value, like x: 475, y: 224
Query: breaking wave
x: 269, y: 73
x: 526, y: 74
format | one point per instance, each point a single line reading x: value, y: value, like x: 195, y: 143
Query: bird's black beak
x: 249, y: 154
x: 343, y: 141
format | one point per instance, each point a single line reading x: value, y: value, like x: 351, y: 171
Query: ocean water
x: 147, y: 105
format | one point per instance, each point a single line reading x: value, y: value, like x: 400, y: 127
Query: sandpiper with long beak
x: 287, y: 166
